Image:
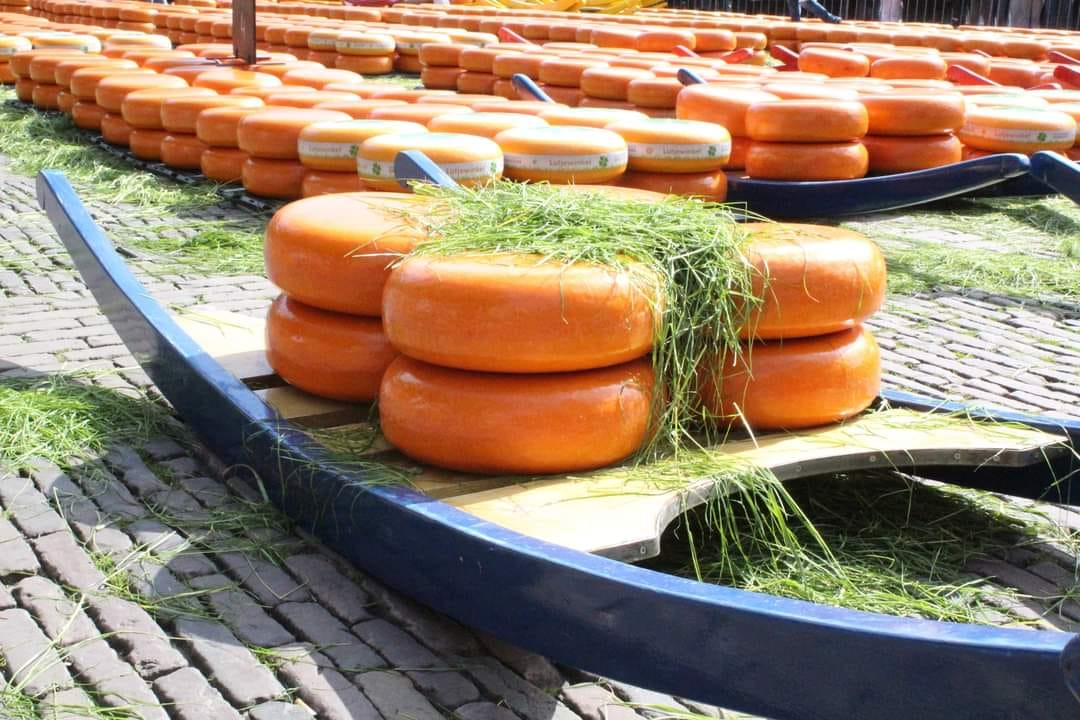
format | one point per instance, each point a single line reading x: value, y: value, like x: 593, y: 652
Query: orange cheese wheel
x: 906, y: 153
x: 321, y: 182
x: 142, y: 108
x: 6, y: 76
x: 280, y: 69
x: 364, y: 44
x: 476, y: 82
x: 589, y: 117
x: 610, y: 83
x: 813, y: 279
x: 674, y: 146
x: 798, y: 383
x: 468, y: 159
x: 834, y: 63
x: 145, y: 143
x: 46, y: 97
x: 84, y: 81
x: 228, y: 79
x: 189, y: 72
x: 181, y: 113
x: 1019, y: 73
x: 182, y: 151
x: 724, y: 106
x: 442, y: 54
x: 562, y: 155
x: 391, y: 92
x: 487, y: 124
x: 24, y: 89
x: 1072, y: 109
x: 217, y: 127
x: 562, y: 95
x: 657, y: 92
x: 113, y: 129
x: 273, y: 133
x: 811, y: 91
x: 42, y: 68
x: 1011, y: 129
x: 1016, y: 100
x: 914, y: 113
x: 566, y: 72
x: 928, y: 67
x: 67, y: 67
x: 518, y: 313
x: 709, y: 186
x: 358, y: 109
x: 335, y: 251
x: 524, y: 107
x: 438, y: 77
x: 112, y: 90
x: 20, y: 61
x: 479, y: 60
x: 506, y: 65
x: 458, y: 98
x: 325, y: 353
x: 306, y: 99
x: 365, y: 65
x: 65, y: 101
x: 333, y: 146
x: 223, y: 165
x: 806, y: 161
x: 271, y: 178
x: 418, y: 113
x: 87, y: 115
x: 318, y: 78
x: 566, y: 422
x: 806, y: 121
x: 665, y: 40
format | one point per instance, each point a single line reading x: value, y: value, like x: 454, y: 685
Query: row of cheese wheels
x: 484, y: 340
x: 643, y: 30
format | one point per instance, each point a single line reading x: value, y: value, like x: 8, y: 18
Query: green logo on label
x: 1041, y: 136
x: 376, y: 169
x: 494, y: 167
x: 353, y: 149
x: 712, y: 150
x: 603, y: 161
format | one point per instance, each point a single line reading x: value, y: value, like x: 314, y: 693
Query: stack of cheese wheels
x: 608, y: 85
x: 81, y: 80
x: 682, y: 157
x: 912, y: 130
x: 554, y: 350
x: 563, y: 155
x: 439, y: 62
x: 216, y: 127
x: 331, y: 256
x: 726, y: 106
x: 469, y: 159
x: 808, y: 359
x: 141, y: 110
x: 408, y: 49
x: 814, y: 139
x: 329, y: 151
x: 656, y: 96
x: 477, y: 76
x: 271, y: 139
x: 1017, y: 129
x: 19, y: 64
x: 111, y: 91
x: 367, y: 53
x: 47, y: 94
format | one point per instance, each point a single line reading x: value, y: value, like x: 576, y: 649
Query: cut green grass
x: 227, y: 247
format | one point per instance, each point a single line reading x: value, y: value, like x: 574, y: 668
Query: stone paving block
x: 595, y: 702
x: 62, y: 619
x: 114, y: 682
x: 152, y: 580
x: 182, y: 467
x: 1053, y: 573
x: 139, y: 478
x: 438, y: 632
x: 395, y: 697
x: 67, y: 562
x: 29, y: 658
x: 333, y: 590
x: 105, y: 539
x: 207, y: 491
x: 162, y: 448
x: 243, y: 680
x: 324, y: 689
x: 70, y: 704
x: 484, y: 711
x: 396, y: 645
x: 312, y: 623
x: 178, y: 507
x: 6, y: 599
x: 145, y: 644
x: 643, y: 697
x: 28, y: 508
x: 496, y: 680
x: 109, y: 494
x: 248, y: 620
x: 269, y: 583
x: 536, y: 669
x: 447, y: 688
x: 280, y: 711
x: 190, y: 697
x: 16, y: 557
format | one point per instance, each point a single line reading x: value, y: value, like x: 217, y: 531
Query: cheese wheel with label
x: 562, y: 155
x: 518, y: 313
x: 806, y: 121
x: 322, y: 182
x: 910, y: 113
x: 278, y: 179
x: 364, y: 43
x: 1010, y: 129
x: 180, y: 113
x: 335, y: 251
x: 328, y: 354
x: 468, y: 159
x: 674, y: 146
x: 565, y: 422
x: 907, y: 153
x: 485, y: 124
x: 273, y: 133
x: 721, y: 105
x: 812, y: 279
x: 223, y: 164
x: 333, y: 146
x: 796, y: 383
x: 806, y: 161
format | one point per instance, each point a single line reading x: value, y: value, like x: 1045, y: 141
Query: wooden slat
x: 311, y: 411
x: 615, y: 513
x: 236, y: 341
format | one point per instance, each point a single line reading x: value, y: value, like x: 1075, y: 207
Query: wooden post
x: 243, y: 30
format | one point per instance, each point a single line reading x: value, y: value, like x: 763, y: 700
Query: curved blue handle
x: 1058, y: 172
x: 780, y: 199
x: 415, y: 166
x: 689, y: 77
x: 525, y: 84
x: 1070, y: 665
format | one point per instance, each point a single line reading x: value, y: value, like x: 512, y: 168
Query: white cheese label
x: 557, y: 163
x: 312, y: 148
x: 1019, y: 135
x: 680, y: 151
x: 464, y: 171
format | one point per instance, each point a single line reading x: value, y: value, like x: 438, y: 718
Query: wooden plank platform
x: 621, y: 512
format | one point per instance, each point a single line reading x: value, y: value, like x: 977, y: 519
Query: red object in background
x: 789, y: 57
x: 1060, y: 57
x: 738, y: 56
x: 962, y: 76
x: 507, y: 35
x: 372, y: 3
x: 1068, y: 75
x: 683, y: 51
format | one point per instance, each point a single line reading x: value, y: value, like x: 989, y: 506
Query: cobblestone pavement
x: 124, y: 587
